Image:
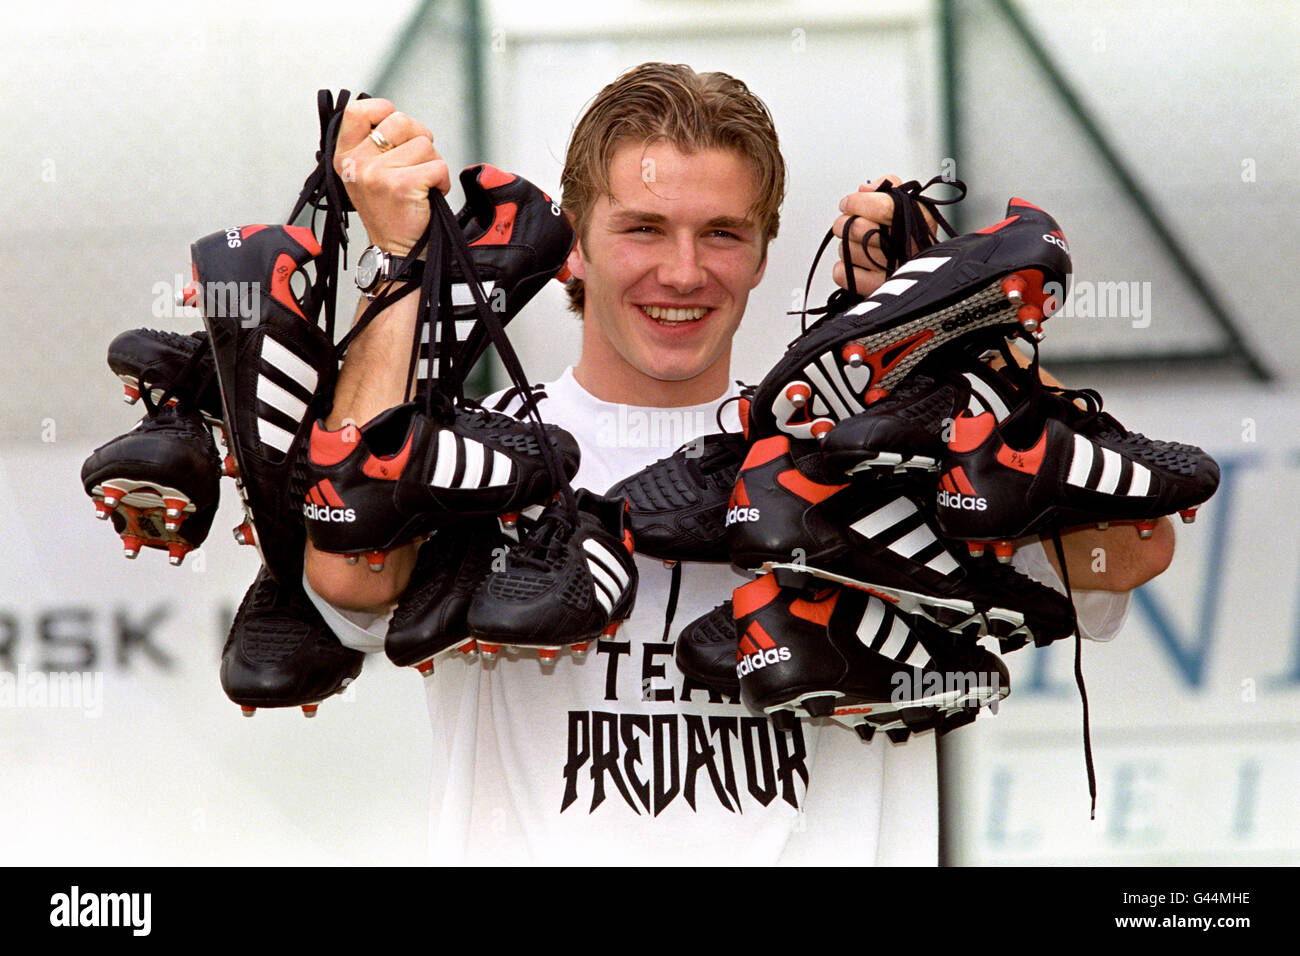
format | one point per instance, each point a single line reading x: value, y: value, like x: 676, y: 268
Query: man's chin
x: 683, y: 371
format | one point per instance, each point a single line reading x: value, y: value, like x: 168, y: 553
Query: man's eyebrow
x: 636, y: 215
x: 629, y: 216
x: 731, y: 222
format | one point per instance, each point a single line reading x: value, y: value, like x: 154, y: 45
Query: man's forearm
x: 373, y: 377
x: 1115, y: 559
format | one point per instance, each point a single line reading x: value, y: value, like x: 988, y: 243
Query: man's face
x: 668, y: 264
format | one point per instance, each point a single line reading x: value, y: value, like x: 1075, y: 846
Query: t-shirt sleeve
x: 359, y: 630
x: 1101, y: 613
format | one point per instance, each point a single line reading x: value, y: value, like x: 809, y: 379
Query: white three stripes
x: 912, y: 543
x: 606, y: 571
x: 1112, y: 465
x: 869, y: 630
x: 897, y: 286
x: 988, y: 396
x: 279, y: 357
x: 479, y: 471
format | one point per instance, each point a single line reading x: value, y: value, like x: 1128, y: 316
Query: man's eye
x: 724, y: 234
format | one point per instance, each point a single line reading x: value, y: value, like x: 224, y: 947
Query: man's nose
x: 682, y: 269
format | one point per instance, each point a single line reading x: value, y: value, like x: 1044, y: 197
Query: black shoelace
x: 545, y: 543
x: 1078, y: 675
x: 1028, y: 379
x: 183, y: 374
x: 908, y: 233
x: 324, y: 192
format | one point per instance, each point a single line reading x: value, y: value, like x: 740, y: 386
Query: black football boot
x: 1006, y: 278
x: 163, y: 357
x: 276, y: 370
x: 840, y: 653
x: 431, y: 622
x: 407, y: 473
x: 705, y: 650
x: 1038, y: 474
x: 281, y: 653
x: 908, y: 429
x: 677, y: 507
x: 159, y: 482
x: 570, y: 580
x: 518, y: 240
x: 875, y: 535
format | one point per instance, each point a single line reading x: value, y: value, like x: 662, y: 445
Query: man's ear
x: 577, y: 265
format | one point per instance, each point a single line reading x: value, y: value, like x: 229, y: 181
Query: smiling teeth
x: 674, y: 315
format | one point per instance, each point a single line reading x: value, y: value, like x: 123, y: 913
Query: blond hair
x: 662, y: 102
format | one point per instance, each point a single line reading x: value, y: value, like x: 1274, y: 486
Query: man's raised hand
x: 389, y: 187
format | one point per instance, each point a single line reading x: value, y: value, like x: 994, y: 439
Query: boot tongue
x: 608, y: 511
x: 385, y: 434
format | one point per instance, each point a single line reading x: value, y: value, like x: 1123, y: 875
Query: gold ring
x: 380, y: 140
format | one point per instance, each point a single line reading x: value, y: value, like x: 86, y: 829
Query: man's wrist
x: 376, y: 267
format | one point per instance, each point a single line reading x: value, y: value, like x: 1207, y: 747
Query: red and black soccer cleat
x: 1006, y: 278
x: 1052, y: 466
x: 874, y: 535
x: 159, y: 482
x: 677, y: 507
x: 705, y: 650
x: 276, y: 368
x: 570, y: 580
x: 163, y: 358
x: 281, y: 653
x: 908, y: 429
x: 431, y: 622
x: 518, y: 239
x: 837, y: 652
x: 408, y: 473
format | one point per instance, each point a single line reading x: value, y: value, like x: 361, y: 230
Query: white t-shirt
x: 619, y: 759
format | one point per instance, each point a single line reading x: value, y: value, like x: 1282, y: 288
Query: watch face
x: 368, y: 269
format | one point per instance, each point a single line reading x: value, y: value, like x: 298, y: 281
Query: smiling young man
x: 667, y: 259
x: 673, y: 180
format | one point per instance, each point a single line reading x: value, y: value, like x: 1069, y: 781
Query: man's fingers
x: 875, y: 183
x: 858, y: 230
x: 359, y: 118
x: 397, y: 128
x: 868, y: 281
x: 406, y: 183
x: 877, y: 207
x: 415, y: 161
x: 860, y: 227
x: 422, y: 166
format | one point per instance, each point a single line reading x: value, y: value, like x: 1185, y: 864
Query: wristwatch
x: 375, y: 267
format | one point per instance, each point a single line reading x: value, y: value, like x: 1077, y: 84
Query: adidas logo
x: 759, y: 659
x: 740, y: 509
x: 315, y: 512
x: 757, y: 650
x: 324, y: 504
x: 741, y: 514
x: 948, y: 499
x: 1056, y: 239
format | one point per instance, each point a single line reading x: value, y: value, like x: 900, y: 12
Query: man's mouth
x: 675, y: 316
